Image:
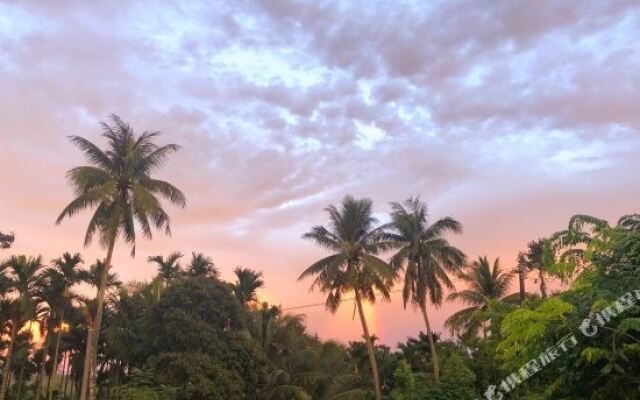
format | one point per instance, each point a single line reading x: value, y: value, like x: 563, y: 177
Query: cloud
x: 491, y: 110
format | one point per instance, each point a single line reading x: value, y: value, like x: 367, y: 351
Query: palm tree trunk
x: 521, y: 278
x: 49, y: 381
x: 82, y: 394
x: 43, y: 366
x: 432, y: 344
x: 372, y: 354
x: 54, y: 367
x: 93, y: 387
x: 66, y: 368
x: 21, y: 379
x: 91, y: 356
x: 543, y: 285
x: 7, y: 365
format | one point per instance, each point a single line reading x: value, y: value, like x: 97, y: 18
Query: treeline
x: 187, y: 334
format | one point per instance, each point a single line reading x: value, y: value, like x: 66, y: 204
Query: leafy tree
x: 486, y: 282
x: 523, y: 328
x: 247, y: 283
x: 142, y: 386
x: 354, y: 267
x: 603, y: 364
x: 119, y: 187
x: 202, y: 316
x: 427, y: 257
x: 405, y: 379
x: 197, y: 376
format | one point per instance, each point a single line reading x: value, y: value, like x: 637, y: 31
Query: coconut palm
x: 486, y: 283
x: 119, y: 188
x: 354, y: 266
x: 24, y: 275
x: 247, y: 283
x: 202, y: 266
x: 427, y: 258
x: 168, y: 269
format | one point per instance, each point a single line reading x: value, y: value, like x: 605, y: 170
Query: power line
x: 323, y: 304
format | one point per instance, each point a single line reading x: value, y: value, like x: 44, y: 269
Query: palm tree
x: 486, y: 283
x: 50, y: 291
x: 426, y: 257
x: 353, y: 266
x: 24, y: 275
x: 168, y: 269
x: 6, y: 240
x: 521, y: 271
x: 94, y: 277
x: 202, y: 266
x: 247, y: 283
x: 66, y: 272
x: 12, y: 311
x: 539, y: 257
x: 119, y: 187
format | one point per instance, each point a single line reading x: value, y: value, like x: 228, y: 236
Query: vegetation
x: 427, y: 258
x: 354, y: 267
x: 119, y: 188
x: 6, y: 240
x: 188, y: 335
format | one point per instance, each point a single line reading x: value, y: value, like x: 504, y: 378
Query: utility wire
x: 323, y: 304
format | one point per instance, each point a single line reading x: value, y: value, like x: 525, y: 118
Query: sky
x: 510, y: 116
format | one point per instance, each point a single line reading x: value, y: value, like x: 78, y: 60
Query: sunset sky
x: 510, y: 116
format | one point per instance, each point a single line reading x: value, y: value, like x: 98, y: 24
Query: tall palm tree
x: 426, y: 256
x: 202, y: 266
x: 24, y: 275
x: 119, y: 188
x: 354, y: 266
x: 486, y: 282
x: 247, y: 283
x: 66, y: 273
x: 168, y: 269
